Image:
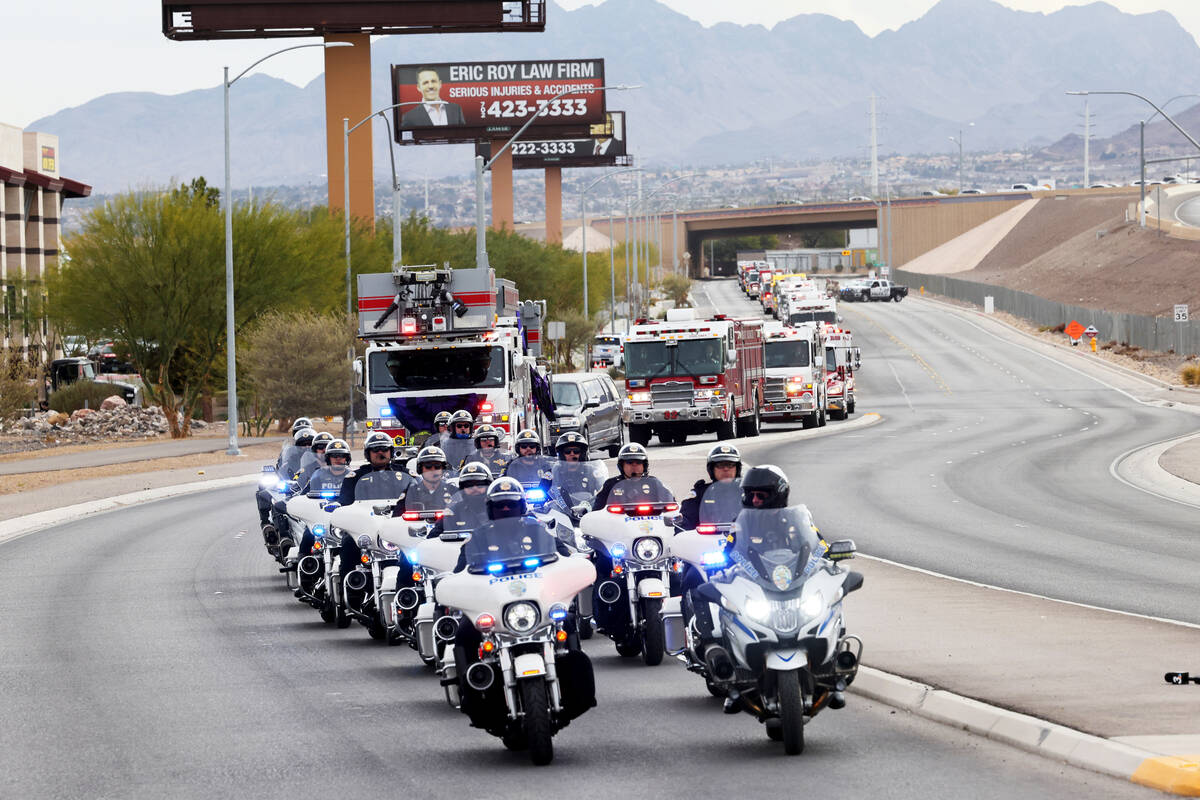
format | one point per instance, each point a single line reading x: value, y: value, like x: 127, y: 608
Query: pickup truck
x: 884, y: 290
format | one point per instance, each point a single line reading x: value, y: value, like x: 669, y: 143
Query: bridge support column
x: 554, y: 205
x: 502, y: 188
x: 348, y: 95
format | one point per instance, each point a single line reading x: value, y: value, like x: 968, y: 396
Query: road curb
x: 1171, y: 774
x: 30, y: 523
x: 1140, y: 469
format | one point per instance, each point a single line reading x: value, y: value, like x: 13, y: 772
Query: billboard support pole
x: 481, y: 258
x: 612, y: 277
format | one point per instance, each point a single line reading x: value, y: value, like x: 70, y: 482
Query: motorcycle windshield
x: 778, y: 548
x: 722, y: 502
x: 513, y: 543
x: 645, y: 489
x: 466, y: 513
x: 577, y: 482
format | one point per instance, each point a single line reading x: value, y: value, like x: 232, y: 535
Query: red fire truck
x: 688, y: 375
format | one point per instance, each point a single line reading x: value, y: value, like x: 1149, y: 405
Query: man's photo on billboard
x: 433, y: 111
x: 615, y: 144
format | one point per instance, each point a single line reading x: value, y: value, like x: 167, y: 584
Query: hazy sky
x: 76, y: 50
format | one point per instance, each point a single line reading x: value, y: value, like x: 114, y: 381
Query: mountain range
x: 722, y: 94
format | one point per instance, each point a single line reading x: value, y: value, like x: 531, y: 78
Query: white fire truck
x: 842, y: 360
x: 794, y: 386
x: 442, y: 339
x: 810, y: 308
x: 689, y: 376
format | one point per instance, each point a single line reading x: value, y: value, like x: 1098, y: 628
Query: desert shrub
x: 1190, y: 374
x: 17, y: 387
x: 81, y: 394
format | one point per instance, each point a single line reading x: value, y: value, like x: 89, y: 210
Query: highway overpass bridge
x: 918, y: 224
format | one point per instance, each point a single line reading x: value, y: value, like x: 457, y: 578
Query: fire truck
x: 441, y: 339
x: 842, y: 360
x: 689, y: 376
x: 809, y: 308
x: 794, y: 385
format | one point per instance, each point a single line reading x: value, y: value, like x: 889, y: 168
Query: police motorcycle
x: 630, y: 538
x: 514, y: 669
x: 427, y: 626
x: 278, y: 483
x: 779, y: 647
x: 699, y: 554
x: 309, y: 516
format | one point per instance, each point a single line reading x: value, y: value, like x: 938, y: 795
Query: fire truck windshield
x: 800, y: 317
x: 431, y: 369
x: 787, y: 353
x: 690, y: 357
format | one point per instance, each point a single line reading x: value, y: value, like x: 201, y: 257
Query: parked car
x: 1022, y: 187
x: 972, y: 191
x: 858, y: 198
x: 932, y: 193
x: 589, y: 403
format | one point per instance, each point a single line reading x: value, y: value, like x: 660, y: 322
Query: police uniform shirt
x: 291, y: 462
x: 530, y: 470
x: 466, y: 513
x: 383, y: 484
x: 570, y: 480
x: 496, y: 463
x: 420, y: 497
x: 323, y: 480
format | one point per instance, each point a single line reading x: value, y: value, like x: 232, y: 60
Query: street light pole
x: 230, y: 330
x: 583, y: 228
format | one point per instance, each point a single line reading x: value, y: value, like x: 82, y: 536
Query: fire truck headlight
x: 705, y: 394
x: 639, y: 397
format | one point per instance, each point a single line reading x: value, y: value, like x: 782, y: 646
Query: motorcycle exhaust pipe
x: 446, y: 628
x: 846, y: 661
x: 310, y: 566
x: 480, y: 677
x: 609, y: 592
x: 719, y: 663
x: 407, y: 599
x: 357, y: 581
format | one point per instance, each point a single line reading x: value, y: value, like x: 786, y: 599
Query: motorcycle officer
x: 458, y: 445
x: 724, y: 466
x: 468, y: 510
x: 441, y: 424
x: 301, y: 443
x: 431, y: 491
x: 313, y: 460
x: 571, y: 476
x: 327, y: 479
x: 487, y: 449
x: 285, y: 467
x: 530, y: 466
x: 632, y: 462
x: 377, y: 479
x: 288, y: 444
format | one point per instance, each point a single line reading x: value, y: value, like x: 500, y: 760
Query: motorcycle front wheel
x: 653, y: 634
x: 791, y: 711
x: 536, y: 722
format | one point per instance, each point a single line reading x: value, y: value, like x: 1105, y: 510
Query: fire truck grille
x: 672, y: 393
x: 775, y: 390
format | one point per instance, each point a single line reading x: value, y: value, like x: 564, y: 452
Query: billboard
x: 466, y: 102
x: 184, y: 20
x: 606, y: 146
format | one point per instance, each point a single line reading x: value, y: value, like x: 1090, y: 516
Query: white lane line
x: 931, y: 573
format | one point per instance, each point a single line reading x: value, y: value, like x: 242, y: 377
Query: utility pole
x: 874, y: 151
x: 1087, y: 140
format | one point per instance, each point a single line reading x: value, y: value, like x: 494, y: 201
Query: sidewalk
x: 51, y: 462
x: 1183, y: 460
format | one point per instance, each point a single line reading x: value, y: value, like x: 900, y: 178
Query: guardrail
x: 1162, y: 334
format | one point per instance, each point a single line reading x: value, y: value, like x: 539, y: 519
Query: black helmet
x: 768, y: 479
x: 633, y: 452
x: 527, y: 437
x: 506, y: 498
x: 474, y: 474
x: 303, y: 437
x: 441, y: 418
x: 337, y: 447
x: 572, y: 439
x: 378, y: 439
x: 431, y: 456
x: 322, y: 439
x: 724, y: 454
x: 485, y: 431
x: 301, y: 422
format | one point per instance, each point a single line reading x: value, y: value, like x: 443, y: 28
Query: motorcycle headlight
x: 268, y: 481
x: 521, y: 617
x: 758, y: 610
x: 811, y: 605
x: 647, y: 548
x: 391, y: 547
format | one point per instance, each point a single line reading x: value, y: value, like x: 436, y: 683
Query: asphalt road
x: 153, y: 652
x: 992, y: 465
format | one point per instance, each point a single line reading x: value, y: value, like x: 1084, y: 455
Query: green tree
x: 297, y: 363
x: 677, y: 288
x: 147, y: 270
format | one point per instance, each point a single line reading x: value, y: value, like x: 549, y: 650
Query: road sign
x: 845, y: 252
x: 1181, y: 313
x: 1074, y: 330
x: 556, y: 330
x: 1091, y: 332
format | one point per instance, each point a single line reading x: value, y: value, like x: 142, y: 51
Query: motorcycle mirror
x: 841, y: 549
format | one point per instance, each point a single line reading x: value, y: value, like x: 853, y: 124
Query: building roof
x: 68, y: 187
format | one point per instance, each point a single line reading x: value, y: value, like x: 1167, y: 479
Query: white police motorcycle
x: 630, y: 539
x: 783, y: 653
x: 519, y: 679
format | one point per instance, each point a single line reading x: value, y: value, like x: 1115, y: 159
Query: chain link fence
x: 1162, y: 334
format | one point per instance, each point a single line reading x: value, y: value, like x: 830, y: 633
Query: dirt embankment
x: 1080, y: 250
